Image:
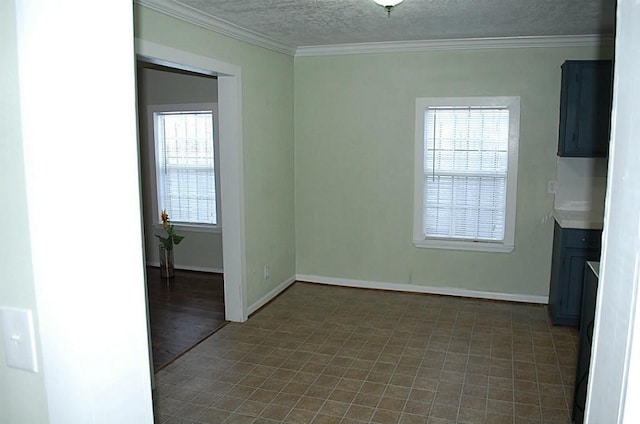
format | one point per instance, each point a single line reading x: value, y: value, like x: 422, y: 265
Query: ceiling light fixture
x: 388, y: 5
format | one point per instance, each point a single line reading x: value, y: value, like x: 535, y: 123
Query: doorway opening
x: 179, y: 164
x: 231, y: 162
x: 231, y: 186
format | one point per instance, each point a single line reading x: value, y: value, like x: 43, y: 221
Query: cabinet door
x: 595, y: 106
x: 586, y: 338
x: 569, y: 109
x: 585, y: 108
x: 570, y: 297
x: 556, y: 272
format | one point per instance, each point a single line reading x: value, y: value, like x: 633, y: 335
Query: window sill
x: 474, y: 246
x: 193, y: 228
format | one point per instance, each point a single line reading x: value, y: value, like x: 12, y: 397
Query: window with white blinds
x: 467, y: 169
x: 186, y: 164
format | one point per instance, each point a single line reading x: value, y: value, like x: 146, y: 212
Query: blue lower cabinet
x: 587, y: 320
x: 572, y: 248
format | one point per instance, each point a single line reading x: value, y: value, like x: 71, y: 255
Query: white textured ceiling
x: 299, y: 23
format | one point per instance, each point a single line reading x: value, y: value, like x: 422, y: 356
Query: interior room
x: 328, y: 280
x: 185, y: 305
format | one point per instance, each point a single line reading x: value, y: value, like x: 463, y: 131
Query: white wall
x: 82, y: 192
x: 199, y: 250
x: 581, y: 184
x: 22, y: 394
x: 614, y: 383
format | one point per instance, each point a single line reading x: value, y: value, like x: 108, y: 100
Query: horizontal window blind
x: 186, y: 166
x: 465, y: 172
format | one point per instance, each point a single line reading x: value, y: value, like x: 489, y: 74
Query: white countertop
x: 587, y: 220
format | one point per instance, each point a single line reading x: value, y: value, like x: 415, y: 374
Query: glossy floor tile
x: 323, y: 354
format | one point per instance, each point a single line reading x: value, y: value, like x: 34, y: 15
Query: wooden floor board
x: 183, y: 311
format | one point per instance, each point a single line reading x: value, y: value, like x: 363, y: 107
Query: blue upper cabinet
x: 585, y: 108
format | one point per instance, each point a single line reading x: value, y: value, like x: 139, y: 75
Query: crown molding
x: 187, y: 14
x: 456, y: 44
x: 212, y: 23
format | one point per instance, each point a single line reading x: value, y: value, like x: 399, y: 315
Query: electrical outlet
x: 266, y: 272
x: 552, y: 186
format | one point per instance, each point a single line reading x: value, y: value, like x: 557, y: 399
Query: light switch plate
x: 19, y: 338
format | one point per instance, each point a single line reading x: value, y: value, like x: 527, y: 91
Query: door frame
x: 231, y: 163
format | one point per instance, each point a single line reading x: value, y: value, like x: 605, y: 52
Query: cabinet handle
x: 584, y: 239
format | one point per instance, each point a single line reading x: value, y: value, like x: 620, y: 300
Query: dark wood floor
x: 183, y: 311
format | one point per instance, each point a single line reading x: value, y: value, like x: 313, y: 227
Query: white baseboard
x: 269, y: 296
x: 448, y: 291
x: 191, y: 268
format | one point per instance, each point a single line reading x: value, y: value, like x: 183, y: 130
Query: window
x: 466, y: 173
x: 186, y: 162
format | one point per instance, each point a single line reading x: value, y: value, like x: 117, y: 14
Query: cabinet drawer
x: 584, y: 238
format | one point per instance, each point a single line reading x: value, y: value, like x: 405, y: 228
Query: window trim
x: 184, y: 107
x: 508, y: 243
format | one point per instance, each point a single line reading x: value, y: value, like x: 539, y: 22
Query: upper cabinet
x: 585, y: 108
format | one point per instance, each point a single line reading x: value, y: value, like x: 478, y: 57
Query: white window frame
x: 185, y: 107
x: 507, y: 244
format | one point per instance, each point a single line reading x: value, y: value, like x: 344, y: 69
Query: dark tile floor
x: 183, y: 311
x: 322, y: 354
